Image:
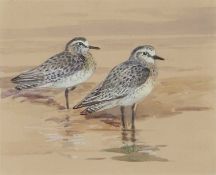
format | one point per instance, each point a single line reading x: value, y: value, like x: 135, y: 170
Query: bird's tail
x: 96, y: 108
x: 25, y: 86
x: 27, y: 80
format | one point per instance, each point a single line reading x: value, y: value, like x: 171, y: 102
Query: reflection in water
x: 132, y: 149
x: 126, y: 143
x: 134, y: 152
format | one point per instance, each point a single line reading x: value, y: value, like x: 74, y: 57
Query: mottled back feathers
x: 61, y: 65
x: 121, y: 80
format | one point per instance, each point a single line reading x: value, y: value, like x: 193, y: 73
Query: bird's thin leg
x: 133, y: 136
x: 66, y: 95
x: 123, y: 117
x: 133, y: 116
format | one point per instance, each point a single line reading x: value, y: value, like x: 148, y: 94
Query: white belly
x: 72, y: 80
x: 138, y: 94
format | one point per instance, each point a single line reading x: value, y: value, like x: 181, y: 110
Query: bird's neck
x: 90, y: 60
x: 87, y: 55
x: 72, y: 52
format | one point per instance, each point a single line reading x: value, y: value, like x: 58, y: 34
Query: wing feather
x: 61, y: 65
x: 117, y: 84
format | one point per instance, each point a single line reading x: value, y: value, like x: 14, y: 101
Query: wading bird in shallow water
x: 125, y: 85
x: 65, y: 70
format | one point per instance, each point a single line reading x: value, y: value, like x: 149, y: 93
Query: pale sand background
x: 175, y: 124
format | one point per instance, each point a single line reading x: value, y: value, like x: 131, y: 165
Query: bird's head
x: 79, y: 45
x: 145, y: 53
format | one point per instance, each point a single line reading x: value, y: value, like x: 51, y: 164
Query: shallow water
x: 36, y: 123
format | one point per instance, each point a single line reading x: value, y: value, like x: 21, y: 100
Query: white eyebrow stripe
x: 80, y: 41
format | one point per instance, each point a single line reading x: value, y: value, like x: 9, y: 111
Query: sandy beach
x: 175, y: 125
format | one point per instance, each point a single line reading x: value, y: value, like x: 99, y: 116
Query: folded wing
x: 61, y: 65
x: 117, y: 84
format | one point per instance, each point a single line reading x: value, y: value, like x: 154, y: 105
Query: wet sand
x: 175, y: 124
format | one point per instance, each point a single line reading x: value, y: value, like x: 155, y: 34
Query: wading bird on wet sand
x: 65, y: 70
x: 125, y: 85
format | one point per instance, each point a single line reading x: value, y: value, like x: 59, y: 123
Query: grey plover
x: 64, y: 70
x: 125, y: 85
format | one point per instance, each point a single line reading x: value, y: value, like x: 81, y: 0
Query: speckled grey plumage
x: 118, y: 83
x: 55, y: 68
x: 59, y: 66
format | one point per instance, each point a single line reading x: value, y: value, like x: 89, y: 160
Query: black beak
x: 158, y: 58
x: 94, y: 47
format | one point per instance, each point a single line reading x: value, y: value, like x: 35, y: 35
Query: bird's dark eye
x: 80, y: 44
x: 145, y: 53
